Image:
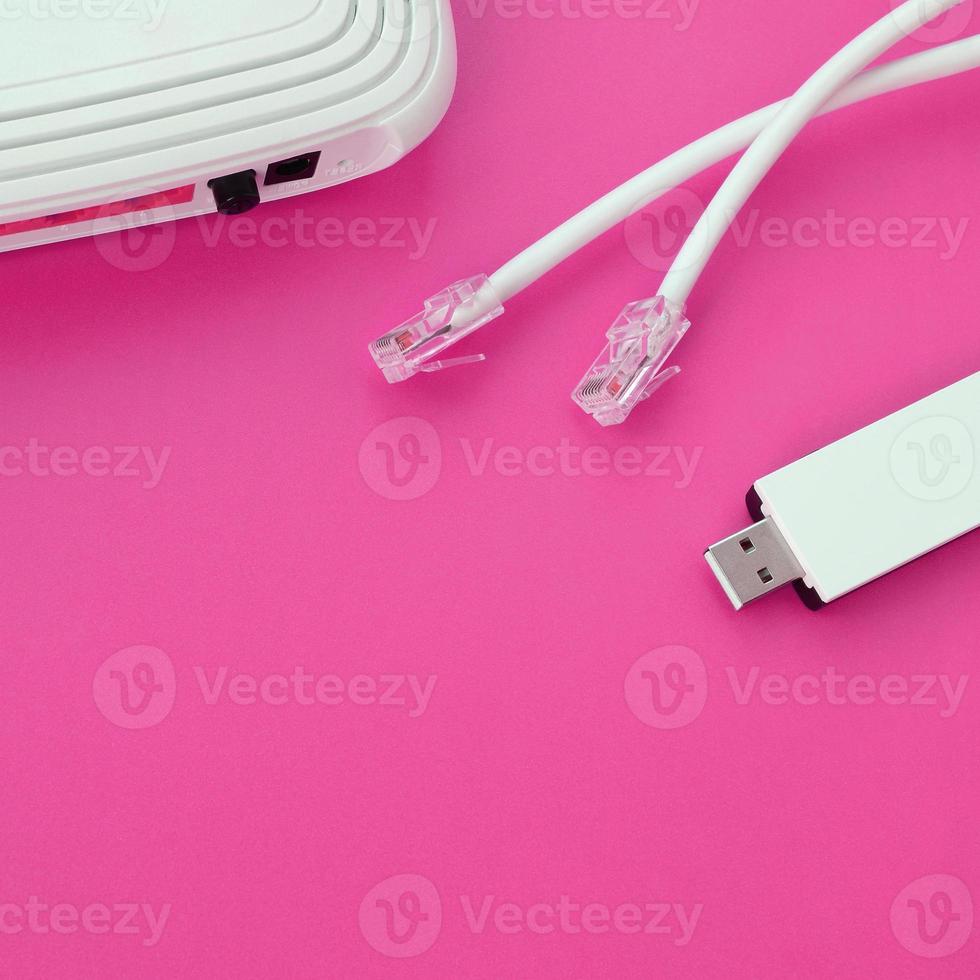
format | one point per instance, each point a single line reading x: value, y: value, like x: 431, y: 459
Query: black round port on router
x: 236, y: 193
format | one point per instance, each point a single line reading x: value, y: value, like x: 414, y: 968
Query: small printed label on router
x: 345, y: 168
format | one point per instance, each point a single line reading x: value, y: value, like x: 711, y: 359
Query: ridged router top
x: 41, y: 45
x: 178, y: 81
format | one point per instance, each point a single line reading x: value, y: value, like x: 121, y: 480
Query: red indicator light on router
x: 131, y: 205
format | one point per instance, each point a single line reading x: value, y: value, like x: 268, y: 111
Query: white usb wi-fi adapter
x: 168, y: 108
x: 861, y: 507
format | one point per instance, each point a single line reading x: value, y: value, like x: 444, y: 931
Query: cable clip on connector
x: 449, y: 316
x: 631, y: 367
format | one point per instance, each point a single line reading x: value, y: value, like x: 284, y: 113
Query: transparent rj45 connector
x: 631, y: 367
x: 451, y: 315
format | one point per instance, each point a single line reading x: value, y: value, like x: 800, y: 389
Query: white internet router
x: 112, y: 110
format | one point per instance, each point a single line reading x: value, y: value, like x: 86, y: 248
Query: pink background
x: 266, y: 546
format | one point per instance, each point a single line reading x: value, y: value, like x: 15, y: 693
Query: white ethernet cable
x: 943, y: 61
x: 465, y: 306
x: 630, y: 368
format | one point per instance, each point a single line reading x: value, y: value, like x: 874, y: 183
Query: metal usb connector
x: 753, y: 563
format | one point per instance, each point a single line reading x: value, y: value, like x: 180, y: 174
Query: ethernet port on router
x: 302, y: 167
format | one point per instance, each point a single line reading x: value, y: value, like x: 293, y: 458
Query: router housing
x: 113, y: 111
